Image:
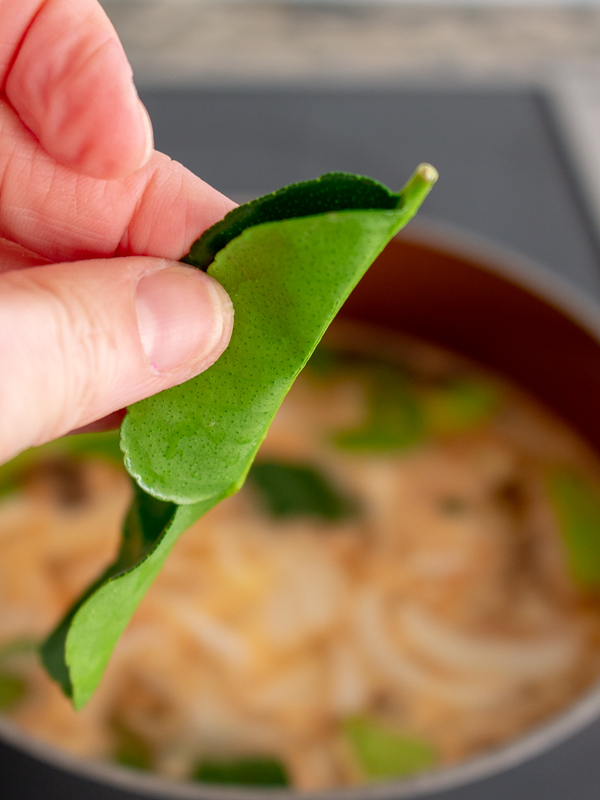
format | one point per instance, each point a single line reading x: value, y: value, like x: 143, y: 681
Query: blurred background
x: 502, y: 98
x: 220, y: 42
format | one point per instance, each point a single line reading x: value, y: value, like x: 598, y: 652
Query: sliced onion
x: 517, y: 659
x: 406, y: 673
x: 217, y: 638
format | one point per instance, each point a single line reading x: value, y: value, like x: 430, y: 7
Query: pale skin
x: 95, y: 312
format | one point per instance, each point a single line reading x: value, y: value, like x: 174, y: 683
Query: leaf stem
x: 418, y: 186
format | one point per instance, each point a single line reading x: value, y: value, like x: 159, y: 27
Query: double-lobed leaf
x: 288, y: 261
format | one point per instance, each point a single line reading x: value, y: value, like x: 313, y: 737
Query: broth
x: 408, y: 578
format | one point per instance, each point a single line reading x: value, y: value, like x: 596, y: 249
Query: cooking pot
x: 491, y: 305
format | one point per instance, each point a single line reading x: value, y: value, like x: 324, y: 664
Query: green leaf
x: 243, y: 772
x: 335, y: 191
x: 460, y: 405
x: 103, y: 445
x: 77, y: 651
x: 12, y: 687
x: 394, y: 419
x: 131, y: 750
x: 292, y: 490
x: 287, y: 280
x: 12, y: 690
x: 383, y: 753
x: 18, y: 647
x: 576, y: 501
x: 191, y: 446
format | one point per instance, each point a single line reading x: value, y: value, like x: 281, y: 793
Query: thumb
x: 81, y: 340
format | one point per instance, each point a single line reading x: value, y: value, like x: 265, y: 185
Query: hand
x: 94, y: 312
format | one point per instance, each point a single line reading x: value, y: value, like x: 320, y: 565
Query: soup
x: 408, y: 578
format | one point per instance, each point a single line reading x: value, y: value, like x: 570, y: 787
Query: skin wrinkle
x: 84, y: 16
x: 52, y: 194
x: 29, y: 220
x: 139, y: 229
x: 125, y: 246
x: 24, y: 358
x: 167, y: 182
x: 13, y: 49
x: 68, y: 331
x: 13, y: 257
x: 69, y: 53
x: 58, y: 116
x: 75, y: 329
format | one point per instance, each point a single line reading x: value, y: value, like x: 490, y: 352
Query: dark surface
x: 502, y: 176
x: 501, y: 173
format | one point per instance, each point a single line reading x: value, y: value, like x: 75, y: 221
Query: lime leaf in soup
x: 18, y: 647
x: 298, y: 490
x: 382, y: 753
x: 191, y: 446
x: 394, y: 417
x: 265, y: 772
x: 131, y: 750
x: 576, y: 502
x: 287, y: 279
x: 104, y: 445
x: 459, y: 405
x: 12, y: 689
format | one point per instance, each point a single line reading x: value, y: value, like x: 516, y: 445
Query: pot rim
x: 580, y: 308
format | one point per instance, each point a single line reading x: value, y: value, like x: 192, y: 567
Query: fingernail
x: 182, y: 316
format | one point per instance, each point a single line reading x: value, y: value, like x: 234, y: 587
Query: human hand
x: 94, y: 313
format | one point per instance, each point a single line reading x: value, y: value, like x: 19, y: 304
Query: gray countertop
x: 214, y: 42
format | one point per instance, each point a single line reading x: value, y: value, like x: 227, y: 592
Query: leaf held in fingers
x: 334, y: 191
x: 77, y: 651
x: 288, y: 262
x: 287, y: 280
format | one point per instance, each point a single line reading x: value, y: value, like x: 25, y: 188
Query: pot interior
x: 449, y: 299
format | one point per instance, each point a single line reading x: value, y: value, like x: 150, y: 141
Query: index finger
x: 65, y: 73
